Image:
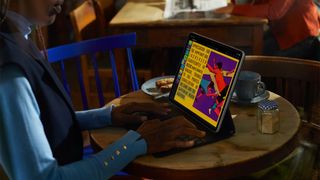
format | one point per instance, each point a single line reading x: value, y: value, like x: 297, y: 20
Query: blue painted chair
x: 91, y: 48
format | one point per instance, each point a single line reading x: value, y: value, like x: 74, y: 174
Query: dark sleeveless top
x: 56, y: 111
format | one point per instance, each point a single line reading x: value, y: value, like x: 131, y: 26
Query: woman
x: 294, y: 25
x: 40, y: 134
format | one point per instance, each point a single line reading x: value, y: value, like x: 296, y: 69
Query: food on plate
x: 164, y: 81
x: 164, y: 84
x: 166, y: 88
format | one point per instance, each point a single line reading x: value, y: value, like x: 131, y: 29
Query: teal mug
x: 249, y: 85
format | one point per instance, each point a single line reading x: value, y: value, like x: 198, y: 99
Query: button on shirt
x: 24, y: 149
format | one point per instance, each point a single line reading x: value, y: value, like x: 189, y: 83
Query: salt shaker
x: 268, y: 117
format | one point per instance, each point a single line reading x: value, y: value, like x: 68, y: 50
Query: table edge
x: 250, y: 166
x: 229, y: 171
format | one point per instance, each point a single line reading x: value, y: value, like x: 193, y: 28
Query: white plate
x: 149, y: 87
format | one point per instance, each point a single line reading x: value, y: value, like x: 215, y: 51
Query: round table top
x: 245, y: 152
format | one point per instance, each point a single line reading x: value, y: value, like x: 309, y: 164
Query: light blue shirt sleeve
x: 95, y: 118
x: 24, y: 149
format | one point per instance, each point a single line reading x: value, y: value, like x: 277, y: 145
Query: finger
x: 134, y: 119
x: 149, y: 126
x: 183, y: 131
x: 179, y: 121
x: 153, y: 108
x: 179, y: 144
x: 184, y: 144
x: 155, y: 123
x: 166, y: 105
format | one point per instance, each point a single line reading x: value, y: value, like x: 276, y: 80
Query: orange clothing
x: 218, y: 76
x: 291, y: 21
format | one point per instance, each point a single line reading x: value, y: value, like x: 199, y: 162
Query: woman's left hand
x: 137, y: 113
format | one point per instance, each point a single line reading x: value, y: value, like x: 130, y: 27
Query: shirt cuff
x: 95, y: 118
x: 131, y: 139
x: 119, y: 154
x: 141, y: 146
x: 104, y: 113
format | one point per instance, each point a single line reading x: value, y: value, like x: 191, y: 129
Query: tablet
x: 205, y: 80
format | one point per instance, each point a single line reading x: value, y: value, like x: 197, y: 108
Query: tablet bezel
x: 223, y: 48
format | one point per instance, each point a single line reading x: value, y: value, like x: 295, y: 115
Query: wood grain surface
x: 247, y: 151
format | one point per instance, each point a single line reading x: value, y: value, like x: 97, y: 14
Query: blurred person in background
x: 293, y: 25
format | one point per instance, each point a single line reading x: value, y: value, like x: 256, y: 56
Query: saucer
x: 254, y: 100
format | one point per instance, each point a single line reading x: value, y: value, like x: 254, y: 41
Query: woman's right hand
x: 163, y: 135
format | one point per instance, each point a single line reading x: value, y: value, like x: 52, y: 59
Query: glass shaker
x: 268, y: 117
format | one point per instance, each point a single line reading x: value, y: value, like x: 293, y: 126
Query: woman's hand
x: 163, y: 135
x: 137, y: 113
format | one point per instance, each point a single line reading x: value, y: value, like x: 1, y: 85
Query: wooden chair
x: 91, y: 11
x: 87, y: 50
x: 88, y: 13
x: 298, y: 81
x: 90, y: 48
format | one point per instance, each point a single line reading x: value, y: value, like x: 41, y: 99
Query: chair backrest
x: 297, y: 80
x: 89, y: 15
x: 88, y: 12
x: 90, y: 48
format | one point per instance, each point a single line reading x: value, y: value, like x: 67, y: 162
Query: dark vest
x: 56, y: 111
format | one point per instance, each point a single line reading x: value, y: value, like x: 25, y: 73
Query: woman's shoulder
x: 11, y: 72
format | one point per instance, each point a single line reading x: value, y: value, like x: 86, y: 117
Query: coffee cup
x: 249, y: 85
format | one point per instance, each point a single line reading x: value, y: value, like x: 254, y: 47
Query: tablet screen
x: 205, y: 78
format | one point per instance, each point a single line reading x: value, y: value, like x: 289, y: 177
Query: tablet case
x: 227, y: 130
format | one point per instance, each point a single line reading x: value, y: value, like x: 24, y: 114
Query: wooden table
x: 246, y: 152
x: 153, y: 31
